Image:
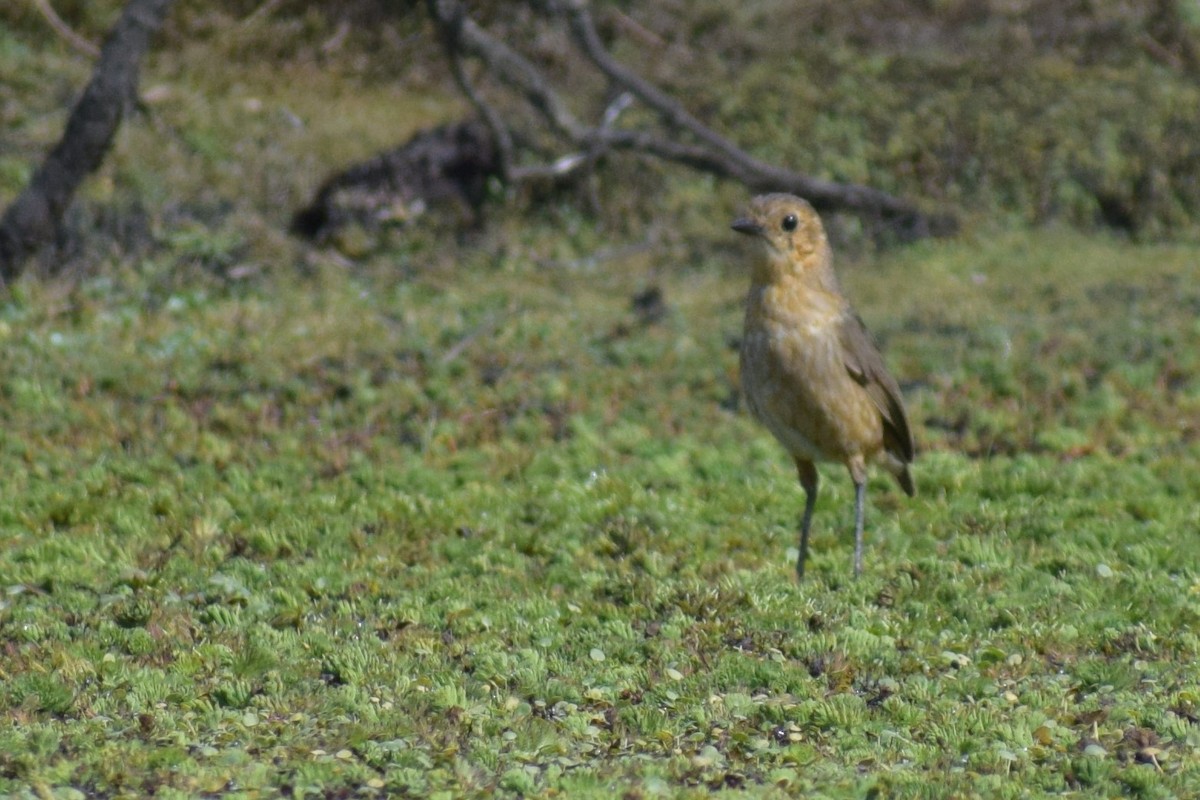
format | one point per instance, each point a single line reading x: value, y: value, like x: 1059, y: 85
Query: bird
x: 810, y: 371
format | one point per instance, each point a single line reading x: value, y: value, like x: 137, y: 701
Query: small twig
x: 263, y: 10
x: 335, y: 42
x: 458, y: 33
x: 613, y: 112
x: 556, y: 170
x: 568, y: 165
x: 501, y: 135
x: 64, y: 30
x: 637, y: 30
x: 598, y: 257
x: 1162, y: 55
x: 482, y: 329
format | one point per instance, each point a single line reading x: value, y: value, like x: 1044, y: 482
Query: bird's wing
x: 865, y: 365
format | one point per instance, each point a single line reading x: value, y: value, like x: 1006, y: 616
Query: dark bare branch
x: 566, y: 167
x: 710, y: 152
x: 726, y: 159
x: 35, y: 215
x: 584, y: 32
x: 507, y: 64
x: 461, y: 35
x: 451, y: 33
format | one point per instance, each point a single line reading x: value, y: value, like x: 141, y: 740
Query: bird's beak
x: 747, y: 226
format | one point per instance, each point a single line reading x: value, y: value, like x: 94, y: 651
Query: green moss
x: 454, y: 519
x: 283, y: 515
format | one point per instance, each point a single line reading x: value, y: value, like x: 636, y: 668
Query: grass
x: 368, y: 534
x: 460, y: 518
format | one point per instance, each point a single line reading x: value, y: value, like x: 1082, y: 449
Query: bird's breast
x: 792, y: 326
x: 794, y: 376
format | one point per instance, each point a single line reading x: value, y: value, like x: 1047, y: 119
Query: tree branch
x: 509, y: 66
x: 64, y: 30
x: 726, y: 158
x: 712, y: 152
x: 35, y: 215
x: 461, y: 34
x: 451, y: 32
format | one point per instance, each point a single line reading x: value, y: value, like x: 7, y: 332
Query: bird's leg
x: 808, y: 479
x: 858, y: 473
x: 860, y: 497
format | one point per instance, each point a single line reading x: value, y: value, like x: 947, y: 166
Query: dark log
x: 450, y: 163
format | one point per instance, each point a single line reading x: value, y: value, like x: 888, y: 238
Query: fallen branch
x: 727, y: 159
x: 34, y: 217
x: 501, y: 135
x: 710, y: 153
x: 463, y: 33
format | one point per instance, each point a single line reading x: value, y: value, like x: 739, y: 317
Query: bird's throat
x: 811, y: 269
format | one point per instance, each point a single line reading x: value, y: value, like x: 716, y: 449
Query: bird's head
x: 788, y: 227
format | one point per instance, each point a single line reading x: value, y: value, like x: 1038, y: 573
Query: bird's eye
x: 789, y: 222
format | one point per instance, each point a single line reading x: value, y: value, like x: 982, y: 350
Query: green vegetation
x: 459, y: 518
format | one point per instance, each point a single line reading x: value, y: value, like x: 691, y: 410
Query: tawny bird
x: 810, y: 371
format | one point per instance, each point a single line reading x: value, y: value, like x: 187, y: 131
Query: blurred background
x: 1015, y: 113
x: 1062, y: 137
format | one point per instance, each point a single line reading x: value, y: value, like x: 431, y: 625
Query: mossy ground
x: 460, y: 518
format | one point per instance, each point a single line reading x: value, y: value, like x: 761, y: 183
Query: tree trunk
x: 33, y: 218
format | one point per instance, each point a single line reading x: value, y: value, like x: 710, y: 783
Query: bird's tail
x: 893, y: 464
